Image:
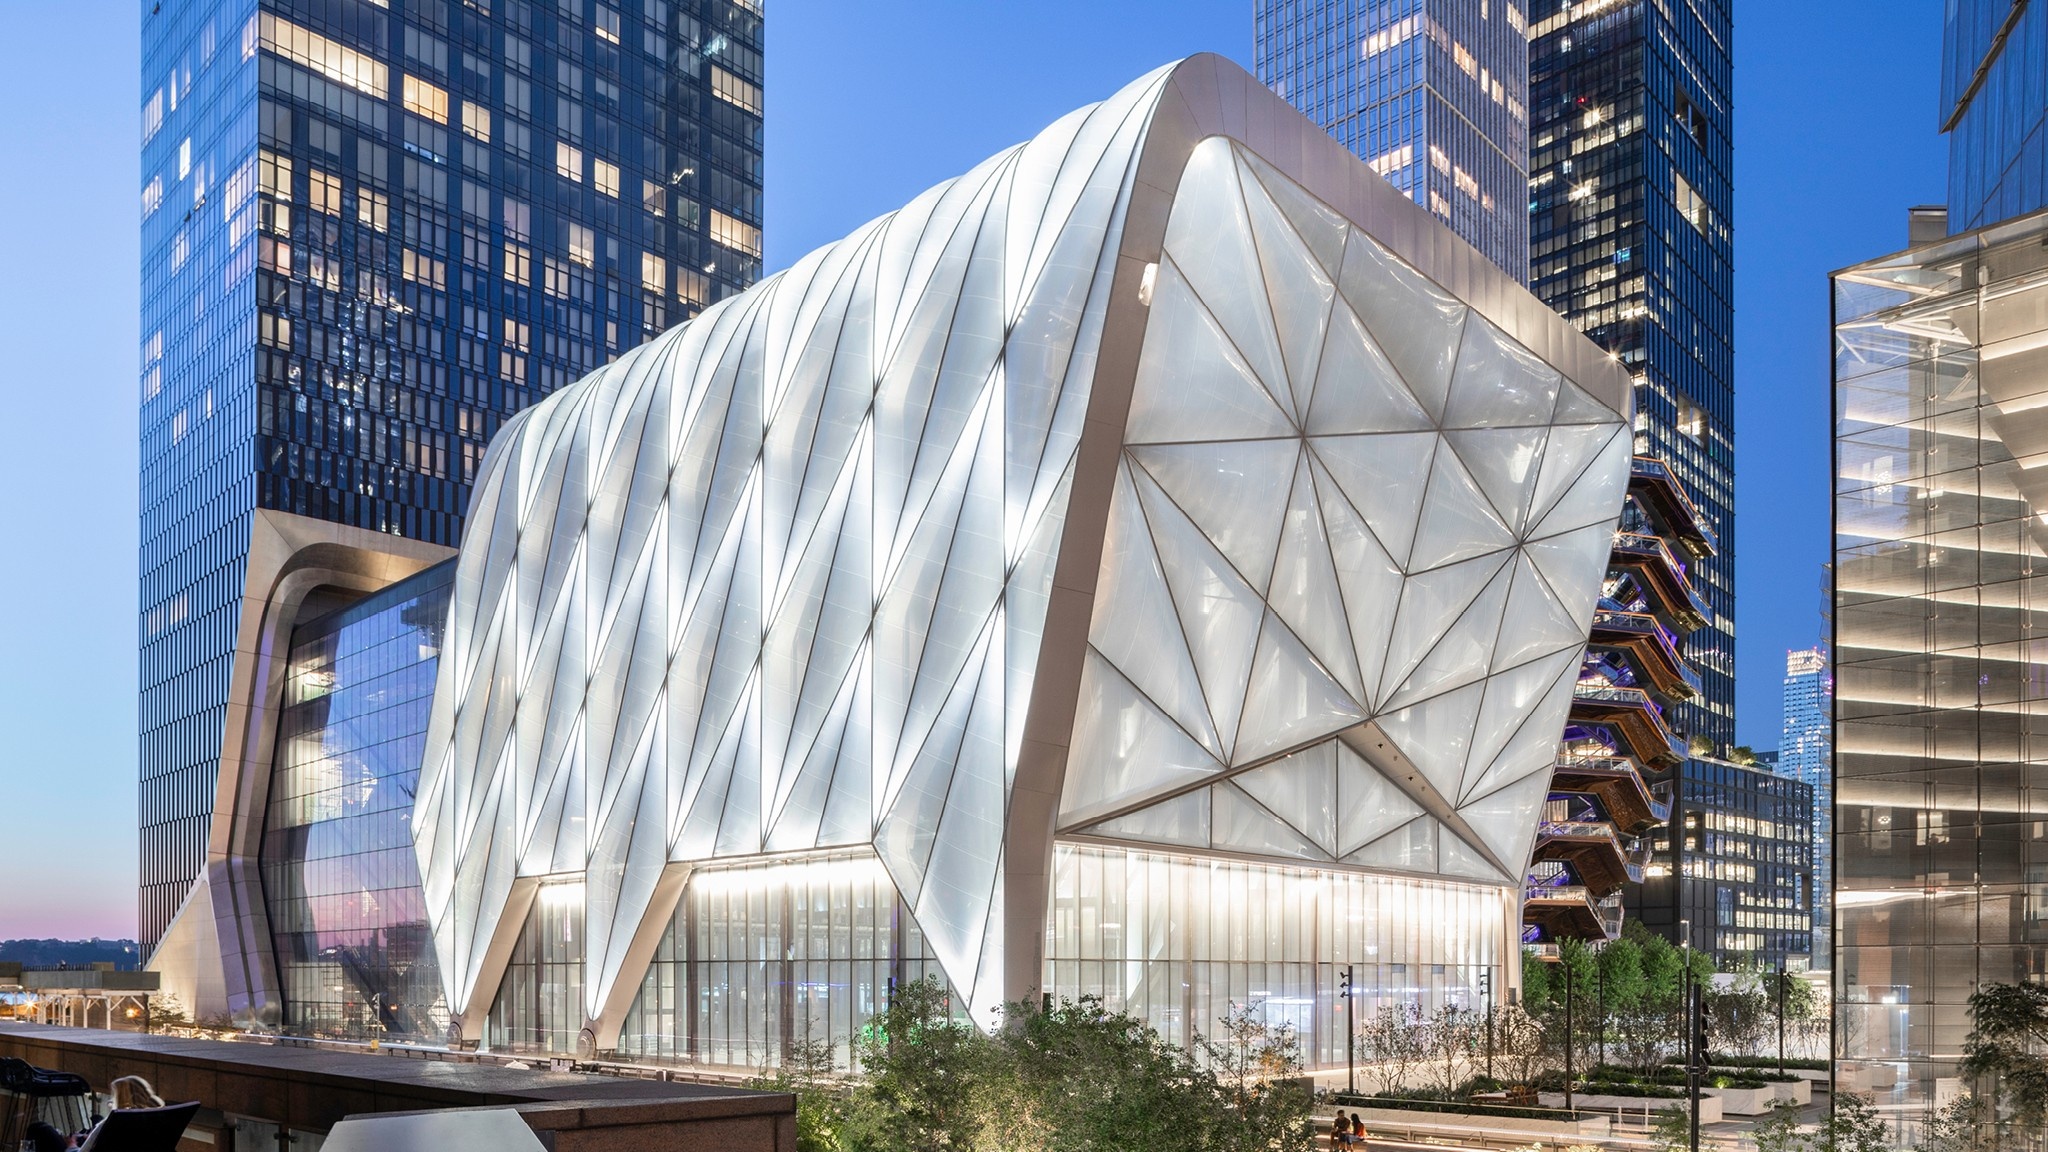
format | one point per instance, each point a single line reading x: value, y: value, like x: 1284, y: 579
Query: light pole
x: 1695, y: 1021
x: 1486, y: 989
x: 1350, y: 1036
x: 1781, y: 1018
x: 1567, y: 1029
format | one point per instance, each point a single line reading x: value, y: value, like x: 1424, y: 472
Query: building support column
x: 602, y: 1033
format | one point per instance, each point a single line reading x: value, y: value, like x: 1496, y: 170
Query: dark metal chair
x: 141, y: 1129
x: 59, y: 1099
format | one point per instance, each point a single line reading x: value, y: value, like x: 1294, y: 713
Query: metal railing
x: 1651, y: 468
x: 1645, y: 544
x: 1644, y: 624
x: 1636, y: 698
x: 1621, y: 769
x: 1571, y: 892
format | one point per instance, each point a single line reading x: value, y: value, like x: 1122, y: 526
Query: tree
x: 1852, y: 1126
x: 1256, y: 1065
x: 1801, y: 1010
x: 1518, y: 1043
x: 1654, y: 1025
x: 1540, y: 988
x: 806, y: 1073
x: 925, y: 1074
x: 1622, y: 982
x: 1576, y: 960
x: 1953, y: 1127
x: 1088, y: 1078
x: 1740, y: 1013
x: 1391, y: 1045
x: 1070, y: 1077
x: 1449, y: 1040
x: 2008, y: 1048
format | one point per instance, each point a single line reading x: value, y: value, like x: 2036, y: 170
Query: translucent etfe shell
x: 1123, y: 487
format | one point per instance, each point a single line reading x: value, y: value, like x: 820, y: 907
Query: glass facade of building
x: 1431, y: 93
x: 1736, y: 862
x: 1941, y: 828
x: 1994, y: 66
x: 765, y: 956
x: 341, y: 885
x: 372, y: 231
x: 1182, y: 940
x: 1630, y: 201
x: 1806, y: 753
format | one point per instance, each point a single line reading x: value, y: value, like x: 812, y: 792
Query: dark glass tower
x: 372, y: 229
x: 1992, y: 109
x: 1630, y: 201
x: 1431, y: 93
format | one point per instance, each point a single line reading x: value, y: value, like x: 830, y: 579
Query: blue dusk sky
x: 868, y: 104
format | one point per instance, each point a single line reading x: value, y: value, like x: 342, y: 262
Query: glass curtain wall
x: 1941, y: 727
x: 540, y: 1003
x: 765, y: 956
x: 1181, y: 940
x: 354, y: 952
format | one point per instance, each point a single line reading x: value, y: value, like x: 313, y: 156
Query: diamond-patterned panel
x: 1368, y: 506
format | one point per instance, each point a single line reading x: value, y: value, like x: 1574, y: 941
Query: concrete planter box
x: 1379, y: 1118
x: 1744, y: 1101
x: 1710, y: 1106
x: 1858, y: 1076
x: 1799, y: 1091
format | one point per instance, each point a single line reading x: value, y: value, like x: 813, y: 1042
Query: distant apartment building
x: 1733, y: 870
x: 1432, y: 94
x: 1806, y: 754
x: 371, y: 232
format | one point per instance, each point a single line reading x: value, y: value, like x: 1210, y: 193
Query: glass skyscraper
x: 1993, y: 112
x: 371, y: 231
x: 1630, y: 239
x: 1433, y: 94
x: 1806, y: 754
x: 1940, y: 738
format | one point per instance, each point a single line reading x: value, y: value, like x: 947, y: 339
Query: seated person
x: 43, y: 1137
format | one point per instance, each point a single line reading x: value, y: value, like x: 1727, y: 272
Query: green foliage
x: 1853, y: 1125
x: 1256, y: 1066
x: 1070, y: 1077
x: 1954, y: 1127
x: 929, y: 1077
x: 806, y: 1073
x: 1779, y: 1130
x: 2008, y: 1046
x: 1540, y: 988
x: 1390, y: 1046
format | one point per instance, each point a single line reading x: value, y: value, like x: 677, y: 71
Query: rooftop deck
x: 312, y: 1089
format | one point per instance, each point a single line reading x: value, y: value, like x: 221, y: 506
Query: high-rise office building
x: 1992, y: 110
x: 371, y: 231
x: 1630, y: 202
x: 1433, y: 94
x: 1806, y: 754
